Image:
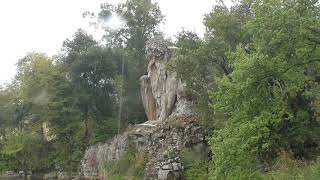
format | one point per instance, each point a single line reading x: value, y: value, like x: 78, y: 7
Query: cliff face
x: 171, y: 126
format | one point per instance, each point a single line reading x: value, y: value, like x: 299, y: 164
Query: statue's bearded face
x: 155, y: 53
x: 157, y: 48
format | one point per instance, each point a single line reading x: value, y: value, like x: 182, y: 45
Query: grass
x: 196, y: 165
x: 306, y: 172
x: 286, y: 168
x: 130, y: 167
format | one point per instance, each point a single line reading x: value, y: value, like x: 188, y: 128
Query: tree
x: 65, y: 123
x: 141, y: 20
x: 195, y: 71
x: 92, y: 72
x: 25, y: 106
x: 24, y: 148
x: 81, y: 42
x: 33, y: 77
x: 199, y: 62
x: 269, y: 96
x: 7, y: 106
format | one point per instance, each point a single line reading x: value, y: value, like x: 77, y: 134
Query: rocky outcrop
x: 95, y: 156
x: 172, y: 124
x: 163, y: 141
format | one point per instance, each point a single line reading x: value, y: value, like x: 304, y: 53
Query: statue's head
x: 157, y: 47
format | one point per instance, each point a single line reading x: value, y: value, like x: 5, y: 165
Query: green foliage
x: 195, y: 164
x: 200, y: 62
x: 103, y: 130
x: 268, y: 96
x: 7, y: 106
x: 285, y: 167
x: 130, y: 166
x: 81, y: 42
x: 197, y: 172
x: 254, y: 78
x: 195, y: 71
x: 84, y: 101
x: 7, y: 163
x: 23, y: 151
x: 142, y: 19
x: 77, y: 92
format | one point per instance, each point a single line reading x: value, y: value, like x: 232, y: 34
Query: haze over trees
x: 254, y: 77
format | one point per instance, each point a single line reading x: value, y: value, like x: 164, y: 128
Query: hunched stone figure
x: 162, y: 93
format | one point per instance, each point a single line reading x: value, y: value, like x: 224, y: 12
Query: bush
x: 195, y: 163
x: 104, y: 130
x: 285, y: 167
x: 23, y: 150
x: 4, y: 163
x: 241, y: 147
x: 130, y: 166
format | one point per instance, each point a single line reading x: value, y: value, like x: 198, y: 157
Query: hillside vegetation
x: 254, y: 77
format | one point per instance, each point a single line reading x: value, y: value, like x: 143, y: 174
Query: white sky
x: 42, y: 25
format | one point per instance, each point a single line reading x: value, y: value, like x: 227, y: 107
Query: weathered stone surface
x: 163, y: 94
x: 148, y: 100
x: 162, y: 140
x: 165, y: 174
x: 176, y: 166
x: 167, y: 167
x: 95, y: 156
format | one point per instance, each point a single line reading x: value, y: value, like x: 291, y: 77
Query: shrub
x: 130, y: 166
x: 195, y: 163
x: 285, y: 167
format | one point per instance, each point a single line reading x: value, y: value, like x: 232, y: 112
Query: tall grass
x: 286, y: 168
x: 131, y: 166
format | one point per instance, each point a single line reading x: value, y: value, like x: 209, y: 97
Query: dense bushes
x: 286, y: 167
x: 269, y: 96
x: 195, y: 164
x: 24, y: 151
x: 130, y: 166
x: 260, y: 61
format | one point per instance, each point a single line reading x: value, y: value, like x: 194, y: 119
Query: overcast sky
x: 42, y: 25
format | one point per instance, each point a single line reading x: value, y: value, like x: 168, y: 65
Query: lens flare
x: 114, y: 22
